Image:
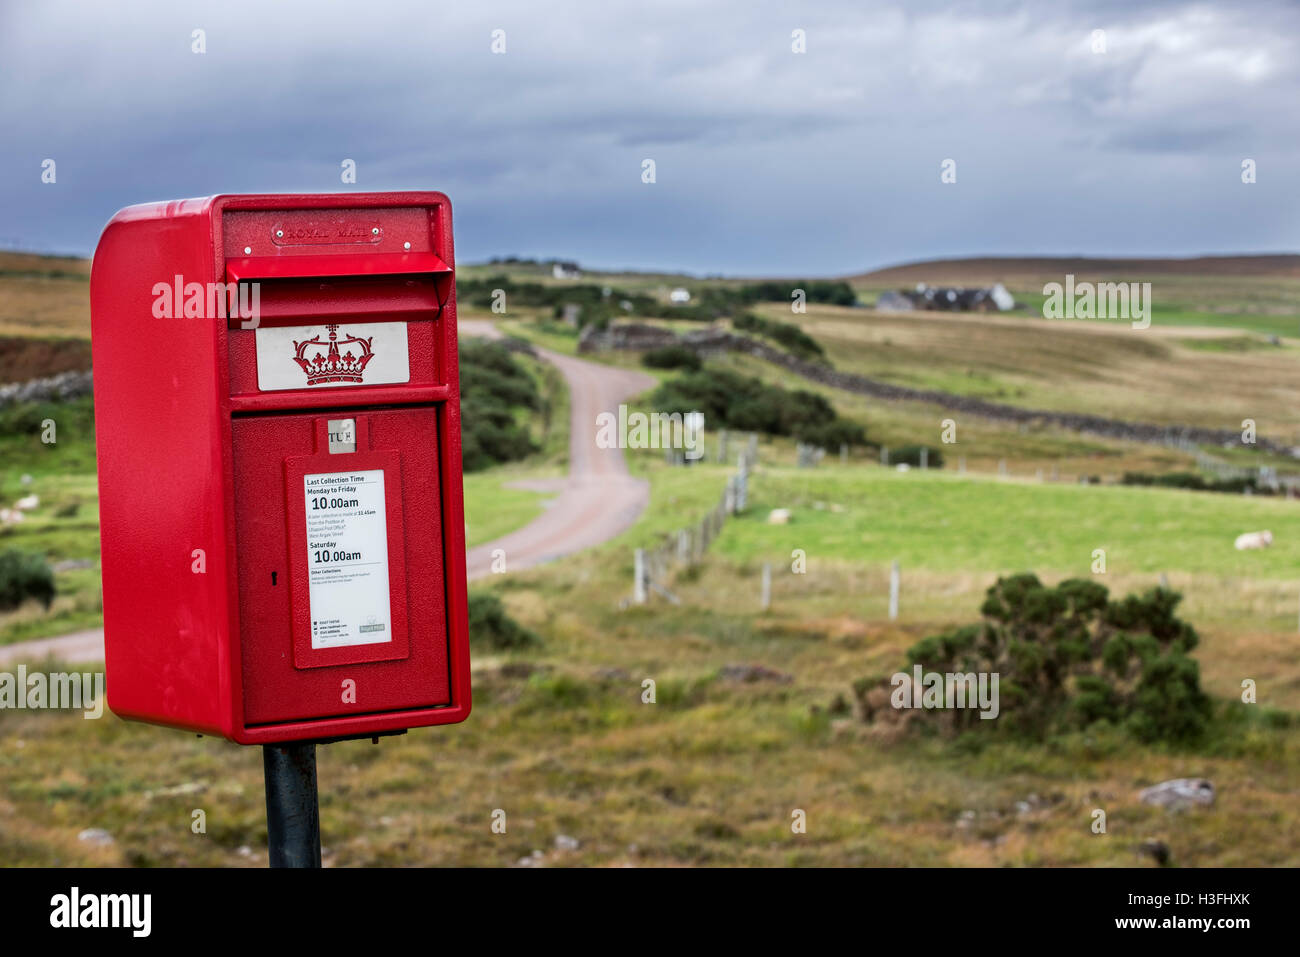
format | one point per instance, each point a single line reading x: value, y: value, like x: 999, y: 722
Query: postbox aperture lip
x: 341, y: 265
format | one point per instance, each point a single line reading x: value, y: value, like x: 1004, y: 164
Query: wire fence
x: 653, y: 568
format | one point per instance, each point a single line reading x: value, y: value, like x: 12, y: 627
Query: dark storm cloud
x: 767, y: 161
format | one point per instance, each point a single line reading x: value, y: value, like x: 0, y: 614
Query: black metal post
x: 292, y: 805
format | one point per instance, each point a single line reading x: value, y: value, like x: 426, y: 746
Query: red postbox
x: 278, y: 421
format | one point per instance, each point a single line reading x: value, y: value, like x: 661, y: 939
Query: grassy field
x: 493, y: 507
x: 711, y: 772
x: 945, y: 522
x: 44, y: 296
x: 1147, y: 375
x: 65, y: 526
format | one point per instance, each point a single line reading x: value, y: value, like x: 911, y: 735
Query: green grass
x: 1097, y: 368
x: 540, y: 330
x: 709, y: 774
x: 1166, y: 313
x: 492, y: 509
x: 945, y: 522
x: 65, y: 526
x: 1231, y: 344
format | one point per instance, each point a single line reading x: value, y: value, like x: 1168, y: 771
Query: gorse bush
x: 24, y: 575
x: 490, y: 626
x: 671, y: 357
x: 733, y: 401
x: 1068, y: 656
x: 1197, y: 483
x: 494, y: 388
x: 832, y: 435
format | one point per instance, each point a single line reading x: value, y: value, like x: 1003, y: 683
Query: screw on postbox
x: 278, y: 428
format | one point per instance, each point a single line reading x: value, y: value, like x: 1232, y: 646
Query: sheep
x: 1254, y: 540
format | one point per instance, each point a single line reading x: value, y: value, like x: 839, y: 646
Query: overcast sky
x: 768, y: 162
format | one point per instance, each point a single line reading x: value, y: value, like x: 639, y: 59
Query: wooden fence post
x: 767, y: 585
x: 638, y: 577
x: 893, y: 591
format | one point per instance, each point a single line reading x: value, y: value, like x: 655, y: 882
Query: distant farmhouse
x: 679, y: 296
x: 993, y: 298
x: 563, y: 270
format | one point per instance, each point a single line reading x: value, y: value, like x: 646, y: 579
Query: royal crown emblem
x: 333, y: 361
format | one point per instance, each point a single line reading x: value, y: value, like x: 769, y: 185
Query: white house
x: 679, y: 296
x: 561, y: 270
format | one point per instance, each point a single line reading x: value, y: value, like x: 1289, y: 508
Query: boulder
x: 1179, y: 793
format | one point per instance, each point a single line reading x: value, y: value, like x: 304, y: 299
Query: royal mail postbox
x: 278, y: 425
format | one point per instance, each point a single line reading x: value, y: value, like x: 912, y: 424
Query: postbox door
x: 339, y: 538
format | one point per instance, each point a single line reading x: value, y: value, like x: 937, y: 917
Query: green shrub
x: 24, y: 575
x: 831, y: 435
x: 490, y: 626
x: 671, y: 357
x: 733, y: 401
x: 1068, y: 657
x: 733, y: 298
x: 1197, y: 483
x: 494, y: 389
x: 791, y: 337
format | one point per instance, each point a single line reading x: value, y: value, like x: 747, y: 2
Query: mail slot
x: 278, y: 428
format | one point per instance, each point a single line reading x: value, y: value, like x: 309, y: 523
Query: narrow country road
x: 599, y: 498
x: 597, y: 501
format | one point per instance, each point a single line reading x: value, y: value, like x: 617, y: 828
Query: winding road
x: 596, y: 501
